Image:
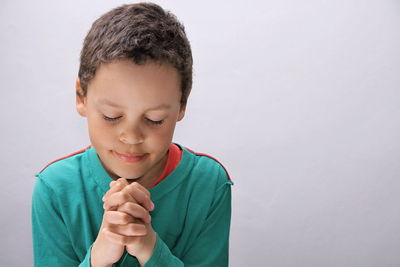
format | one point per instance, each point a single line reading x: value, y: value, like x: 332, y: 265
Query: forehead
x: 123, y: 81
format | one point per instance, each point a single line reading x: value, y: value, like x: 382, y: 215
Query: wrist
x: 148, y: 248
x: 94, y: 258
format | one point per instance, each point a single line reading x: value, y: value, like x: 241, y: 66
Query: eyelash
x: 155, y: 122
x: 115, y: 119
x: 110, y: 119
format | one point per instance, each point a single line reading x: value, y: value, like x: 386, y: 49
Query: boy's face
x: 132, y: 111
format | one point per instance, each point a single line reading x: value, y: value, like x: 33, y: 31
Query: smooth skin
x: 131, y: 110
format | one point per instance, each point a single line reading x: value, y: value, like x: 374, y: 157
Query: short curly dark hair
x: 142, y: 32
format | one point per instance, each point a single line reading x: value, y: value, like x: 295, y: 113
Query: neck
x: 149, y: 178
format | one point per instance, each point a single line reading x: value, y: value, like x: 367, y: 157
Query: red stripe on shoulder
x: 211, y: 157
x: 70, y: 155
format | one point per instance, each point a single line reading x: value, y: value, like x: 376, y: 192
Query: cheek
x: 163, y: 134
x: 100, y: 132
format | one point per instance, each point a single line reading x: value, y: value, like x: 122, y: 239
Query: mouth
x: 130, y: 158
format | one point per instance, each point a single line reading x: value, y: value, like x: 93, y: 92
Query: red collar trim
x: 174, y: 157
x: 70, y: 155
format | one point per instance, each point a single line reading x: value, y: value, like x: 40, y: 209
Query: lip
x: 130, y: 158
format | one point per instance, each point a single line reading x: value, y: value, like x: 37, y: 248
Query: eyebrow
x: 162, y: 106
x: 112, y: 104
x: 107, y: 102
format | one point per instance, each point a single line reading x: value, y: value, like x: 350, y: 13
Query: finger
x: 136, y: 211
x: 118, y: 199
x: 131, y: 229
x: 145, y: 191
x: 128, y: 230
x: 115, y: 186
x: 117, y: 238
x: 118, y: 217
x: 140, y: 194
x: 141, y: 188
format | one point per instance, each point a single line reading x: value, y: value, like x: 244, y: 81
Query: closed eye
x: 155, y: 122
x: 111, y: 119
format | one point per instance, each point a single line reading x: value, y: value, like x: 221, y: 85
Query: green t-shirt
x: 191, y: 216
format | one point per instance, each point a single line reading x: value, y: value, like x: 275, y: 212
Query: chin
x: 128, y: 175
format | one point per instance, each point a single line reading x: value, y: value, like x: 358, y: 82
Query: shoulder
x: 62, y: 171
x: 208, y: 169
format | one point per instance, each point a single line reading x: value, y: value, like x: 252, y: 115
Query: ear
x: 181, y: 112
x: 80, y: 99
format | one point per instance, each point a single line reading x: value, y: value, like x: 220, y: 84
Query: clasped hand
x: 126, y: 219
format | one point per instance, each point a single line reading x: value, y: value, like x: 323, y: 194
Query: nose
x: 132, y: 135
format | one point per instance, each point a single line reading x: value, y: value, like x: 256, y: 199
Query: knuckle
x: 135, y: 185
x: 124, y: 218
x: 132, y: 202
x: 132, y: 205
x: 107, y: 215
x: 120, y: 183
x: 122, y: 196
x: 136, y: 229
x: 125, y: 190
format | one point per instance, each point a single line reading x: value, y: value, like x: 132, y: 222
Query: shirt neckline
x: 174, y: 157
x: 103, y: 179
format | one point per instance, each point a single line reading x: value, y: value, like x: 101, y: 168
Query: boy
x: 133, y: 198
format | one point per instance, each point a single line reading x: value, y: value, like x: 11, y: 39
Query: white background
x: 298, y: 99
